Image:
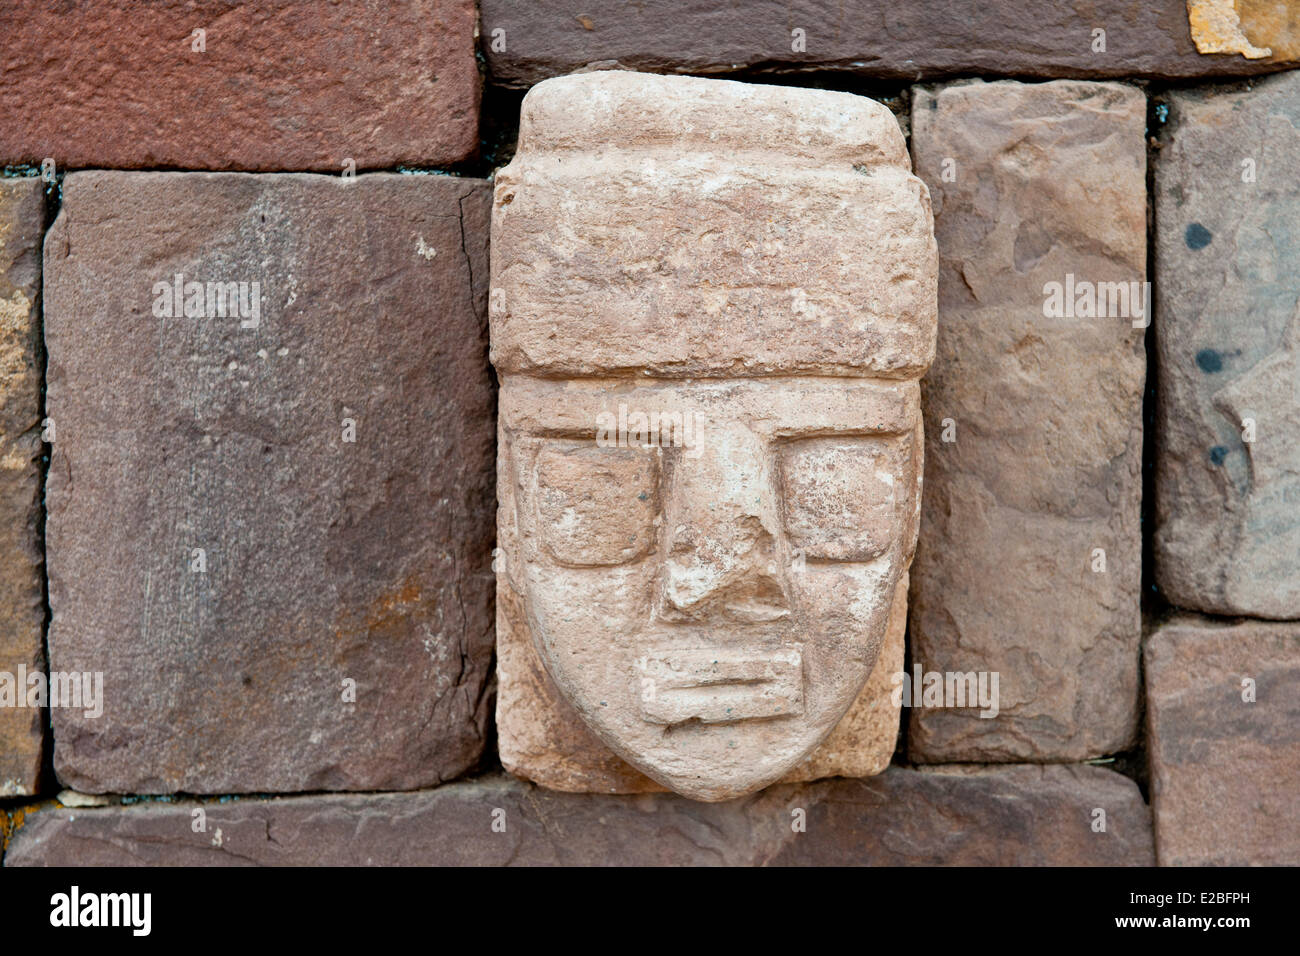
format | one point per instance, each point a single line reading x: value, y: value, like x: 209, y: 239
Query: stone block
x: 289, y: 85
x: 1227, y: 535
x: 1159, y: 39
x: 1011, y: 816
x: 1029, y: 564
x: 270, y: 499
x: 22, y: 585
x: 1223, y: 708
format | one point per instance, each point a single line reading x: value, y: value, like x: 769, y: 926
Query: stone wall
x: 248, y: 440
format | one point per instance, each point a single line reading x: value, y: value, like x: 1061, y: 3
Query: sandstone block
x: 270, y: 494
x: 1029, y: 561
x: 1227, y: 535
x: 1223, y: 708
x: 1005, y: 817
x: 22, y: 588
x: 213, y: 85
x: 1158, y: 39
x: 1055, y: 815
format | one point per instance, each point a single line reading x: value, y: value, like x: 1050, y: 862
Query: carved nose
x: 727, y: 571
x: 722, y: 560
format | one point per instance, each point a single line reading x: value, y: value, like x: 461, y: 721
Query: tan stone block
x: 1029, y: 564
x: 711, y: 304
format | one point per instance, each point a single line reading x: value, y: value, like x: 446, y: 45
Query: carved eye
x: 842, y: 495
x: 597, y: 506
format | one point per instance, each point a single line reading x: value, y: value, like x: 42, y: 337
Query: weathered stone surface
x: 1236, y: 26
x: 542, y: 739
x: 711, y: 597
x: 1006, y: 817
x: 333, y: 463
x: 1012, y: 816
x: 1033, y: 423
x: 735, y: 153
x: 1227, y: 536
x: 22, y: 592
x: 1225, y: 770
x: 289, y: 85
x: 862, y: 744
x: 527, y: 42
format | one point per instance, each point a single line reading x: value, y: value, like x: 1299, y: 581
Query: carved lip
x: 721, y: 685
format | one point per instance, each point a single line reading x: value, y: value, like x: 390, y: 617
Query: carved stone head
x: 711, y: 306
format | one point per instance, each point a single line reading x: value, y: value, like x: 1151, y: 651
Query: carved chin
x: 722, y: 724
x: 715, y: 712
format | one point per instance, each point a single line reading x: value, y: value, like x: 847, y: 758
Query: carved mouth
x: 721, y: 685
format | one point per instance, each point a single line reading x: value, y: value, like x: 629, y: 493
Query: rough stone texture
x: 1229, y: 26
x: 22, y: 594
x: 292, y: 84
x: 1228, y: 332
x: 712, y: 601
x: 1012, y: 816
x: 863, y: 742
x: 1225, y: 772
x: 881, y: 38
x: 1046, y: 415
x: 1006, y: 817
x: 786, y: 192
x: 542, y: 739
x: 326, y: 559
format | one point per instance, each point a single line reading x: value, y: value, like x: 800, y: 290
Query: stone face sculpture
x: 711, y: 303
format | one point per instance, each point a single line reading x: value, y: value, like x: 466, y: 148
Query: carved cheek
x: 596, y: 507
x: 845, y: 503
x: 845, y: 498
x: 595, y: 518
